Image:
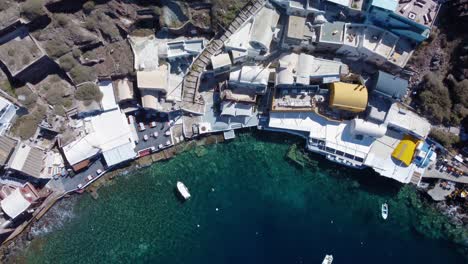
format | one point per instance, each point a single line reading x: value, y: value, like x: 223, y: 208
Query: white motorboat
x: 183, y: 190
x: 328, y: 259
x: 384, y: 211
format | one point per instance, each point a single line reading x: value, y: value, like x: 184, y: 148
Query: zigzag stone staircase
x: 191, y: 101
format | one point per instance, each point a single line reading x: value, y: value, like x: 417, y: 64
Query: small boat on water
x: 183, y: 190
x: 328, y: 259
x: 384, y: 211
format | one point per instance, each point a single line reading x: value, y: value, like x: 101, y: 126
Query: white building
x: 7, y: 114
x: 182, y: 48
x: 300, y: 7
x: 301, y: 69
x: 407, y: 121
x: 108, y: 133
x: 27, y: 160
x: 389, y: 148
x: 255, y: 77
x: 19, y: 200
x: 253, y: 39
x: 364, y: 42
x: 221, y: 63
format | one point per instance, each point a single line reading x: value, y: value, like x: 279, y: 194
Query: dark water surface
x: 269, y: 211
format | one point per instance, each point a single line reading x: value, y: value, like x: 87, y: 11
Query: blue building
x: 388, y: 85
x: 424, y: 155
x: 412, y: 19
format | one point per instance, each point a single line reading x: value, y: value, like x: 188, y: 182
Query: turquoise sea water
x: 269, y: 211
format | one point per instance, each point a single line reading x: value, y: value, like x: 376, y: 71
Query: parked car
x: 141, y: 126
x: 153, y: 124
x: 99, y: 171
x: 145, y: 137
x: 155, y: 134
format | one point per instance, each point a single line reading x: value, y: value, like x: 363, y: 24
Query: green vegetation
x: 56, y: 48
x: 60, y: 20
x: 447, y: 139
x: 88, y: 93
x: 55, y: 94
x: 460, y: 91
x: 88, y: 6
x: 60, y: 110
x: 157, y: 11
x: 76, y: 53
x: 32, y: 9
x: 6, y: 87
x: 81, y: 74
x: 26, y: 97
x: 226, y: 11
x: 4, y: 5
x: 25, y: 126
x: 142, y: 32
x: 435, y: 99
x: 99, y: 21
x: 25, y: 59
x: 67, y: 62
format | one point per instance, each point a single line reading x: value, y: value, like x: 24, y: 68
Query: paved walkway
x: 439, y: 193
x: 437, y: 174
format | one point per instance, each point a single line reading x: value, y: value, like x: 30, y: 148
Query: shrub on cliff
x: 88, y: 7
x: 435, y: 99
x: 67, y: 62
x: 81, y: 74
x: 32, y: 9
x: 88, y: 92
x: 56, y: 48
x: 447, y: 139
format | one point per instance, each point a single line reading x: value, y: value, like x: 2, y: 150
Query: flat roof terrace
x: 296, y: 25
x: 332, y: 32
x: 401, y: 53
x: 352, y: 33
x: 379, y: 41
x: 387, y: 43
x: 371, y: 38
x: 421, y: 11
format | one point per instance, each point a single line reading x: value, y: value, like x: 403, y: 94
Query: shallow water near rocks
x: 268, y: 211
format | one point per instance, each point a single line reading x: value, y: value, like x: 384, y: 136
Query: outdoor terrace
x: 332, y: 32
x: 372, y: 37
x: 421, y: 11
x: 387, y: 43
x: 402, y: 53
x: 307, y: 99
x: 294, y: 100
x: 352, y: 34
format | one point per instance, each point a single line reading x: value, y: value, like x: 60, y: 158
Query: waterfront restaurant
x: 15, y: 201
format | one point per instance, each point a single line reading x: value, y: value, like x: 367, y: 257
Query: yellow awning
x: 348, y: 96
x: 404, y: 152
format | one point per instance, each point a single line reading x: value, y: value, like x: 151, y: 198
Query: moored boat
x: 328, y: 259
x: 183, y: 190
x: 384, y: 211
